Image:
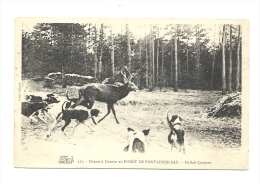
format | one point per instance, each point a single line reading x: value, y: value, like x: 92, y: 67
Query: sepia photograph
x: 131, y: 93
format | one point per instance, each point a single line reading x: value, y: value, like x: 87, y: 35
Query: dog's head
x: 51, y: 99
x: 33, y: 98
x: 94, y: 112
x: 137, y: 142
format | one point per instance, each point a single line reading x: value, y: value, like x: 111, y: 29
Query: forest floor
x: 139, y: 110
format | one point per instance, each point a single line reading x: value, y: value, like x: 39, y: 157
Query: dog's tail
x: 169, y: 123
x: 62, y: 107
x: 67, y: 96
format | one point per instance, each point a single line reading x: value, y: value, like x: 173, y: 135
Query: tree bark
x: 197, y: 53
x: 146, y: 62
x: 176, y: 61
x: 224, y: 90
x: 138, y: 81
x: 153, y: 72
x: 100, y: 52
x: 128, y: 47
x: 151, y: 57
x: 95, y: 52
x: 238, y: 62
x: 63, y: 64
x: 172, y: 64
x: 187, y: 61
x: 112, y: 53
x: 229, y: 87
x: 162, y: 71
x: 157, y: 61
x: 214, y: 59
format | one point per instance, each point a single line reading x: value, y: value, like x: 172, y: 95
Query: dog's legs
x: 108, y: 112
x: 131, y: 140
x: 67, y: 122
x: 114, y: 112
x: 93, y: 120
x: 89, y: 127
x: 183, y: 148
x: 53, y: 125
x: 77, y: 123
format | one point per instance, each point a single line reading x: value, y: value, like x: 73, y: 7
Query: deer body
x: 107, y: 93
x: 104, y: 93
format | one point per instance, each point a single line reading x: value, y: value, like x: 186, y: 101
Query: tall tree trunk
x: 72, y: 43
x: 224, y: 62
x: 213, y: 62
x: 152, y: 41
x: 100, y: 53
x: 197, y: 53
x: 63, y: 65
x: 172, y: 64
x: 238, y: 62
x: 157, y: 61
x: 187, y: 61
x: 162, y: 71
x: 176, y: 60
x: 146, y: 62
x: 138, y: 81
x: 95, y: 52
x: 63, y: 75
x: 112, y: 53
x: 150, y: 58
x: 128, y: 47
x: 179, y: 72
x: 187, y: 56
x: 229, y: 87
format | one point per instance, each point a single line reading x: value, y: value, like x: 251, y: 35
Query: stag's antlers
x: 129, y: 79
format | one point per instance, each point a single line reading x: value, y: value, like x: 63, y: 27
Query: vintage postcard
x: 131, y: 93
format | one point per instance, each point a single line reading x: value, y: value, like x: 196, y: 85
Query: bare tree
x: 238, y: 61
x: 146, y: 61
x: 112, y: 53
x: 152, y: 41
x: 214, y: 58
x: 95, y: 52
x: 197, y: 52
x: 128, y: 47
x: 162, y: 69
x: 100, y: 51
x: 176, y: 60
x: 157, y: 56
x: 224, y: 61
x: 63, y: 66
x: 229, y: 87
x: 151, y: 57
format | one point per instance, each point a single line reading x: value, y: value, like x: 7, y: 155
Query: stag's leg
x: 108, y: 112
x: 114, y: 112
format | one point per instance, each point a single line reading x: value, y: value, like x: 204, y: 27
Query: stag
x: 107, y: 93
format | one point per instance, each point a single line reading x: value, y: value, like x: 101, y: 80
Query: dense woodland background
x: 193, y: 56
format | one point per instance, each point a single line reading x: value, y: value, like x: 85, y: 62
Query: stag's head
x: 131, y: 85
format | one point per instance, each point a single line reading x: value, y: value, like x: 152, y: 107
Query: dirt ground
x: 139, y: 110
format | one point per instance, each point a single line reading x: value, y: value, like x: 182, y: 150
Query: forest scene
x: 194, y: 70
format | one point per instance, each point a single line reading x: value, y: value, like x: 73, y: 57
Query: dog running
x: 176, y: 136
x: 67, y: 114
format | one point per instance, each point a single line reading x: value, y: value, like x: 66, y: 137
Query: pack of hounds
x: 36, y: 108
